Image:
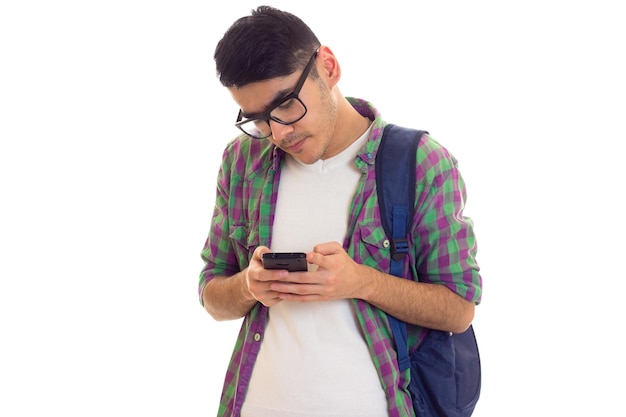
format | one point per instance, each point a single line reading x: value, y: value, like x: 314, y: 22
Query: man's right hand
x: 258, y: 279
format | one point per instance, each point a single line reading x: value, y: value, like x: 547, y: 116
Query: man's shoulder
x: 434, y: 161
x: 246, y: 155
x: 432, y: 158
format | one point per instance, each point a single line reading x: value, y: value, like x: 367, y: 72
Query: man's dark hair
x: 267, y: 44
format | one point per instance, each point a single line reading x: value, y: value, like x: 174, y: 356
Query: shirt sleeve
x: 217, y: 253
x: 445, y: 241
x: 244, y: 193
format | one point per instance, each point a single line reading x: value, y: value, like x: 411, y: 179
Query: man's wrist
x: 245, y: 290
x: 367, y: 277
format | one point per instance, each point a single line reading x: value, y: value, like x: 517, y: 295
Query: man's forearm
x: 429, y: 305
x: 228, y: 298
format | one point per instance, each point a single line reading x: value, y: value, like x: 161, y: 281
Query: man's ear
x: 328, y: 67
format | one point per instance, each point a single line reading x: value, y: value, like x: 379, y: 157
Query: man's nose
x: 279, y: 130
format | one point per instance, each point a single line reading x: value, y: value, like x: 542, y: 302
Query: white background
x: 112, y: 125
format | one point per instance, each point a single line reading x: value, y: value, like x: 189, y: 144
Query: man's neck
x: 349, y: 127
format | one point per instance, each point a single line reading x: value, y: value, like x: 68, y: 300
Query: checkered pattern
x: 443, y: 249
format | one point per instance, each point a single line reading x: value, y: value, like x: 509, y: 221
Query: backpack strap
x: 395, y: 185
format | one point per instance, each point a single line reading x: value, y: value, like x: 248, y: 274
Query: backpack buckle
x: 399, y: 248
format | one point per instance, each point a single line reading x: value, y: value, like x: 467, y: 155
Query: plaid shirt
x: 443, y: 249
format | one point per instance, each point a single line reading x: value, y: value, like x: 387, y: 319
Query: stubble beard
x: 327, y: 122
x: 324, y: 130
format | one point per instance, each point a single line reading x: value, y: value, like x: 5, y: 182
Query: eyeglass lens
x: 290, y: 111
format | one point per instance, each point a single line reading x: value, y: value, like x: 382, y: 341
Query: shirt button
x: 257, y: 337
x: 386, y: 243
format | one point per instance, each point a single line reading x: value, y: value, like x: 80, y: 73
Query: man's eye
x: 286, y: 105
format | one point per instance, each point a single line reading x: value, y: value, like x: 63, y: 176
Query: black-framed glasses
x: 286, y: 111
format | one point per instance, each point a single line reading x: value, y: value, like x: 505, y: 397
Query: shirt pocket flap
x: 245, y: 240
x: 374, y: 248
x: 373, y: 234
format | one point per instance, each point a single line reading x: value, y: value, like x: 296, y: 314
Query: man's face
x: 309, y: 138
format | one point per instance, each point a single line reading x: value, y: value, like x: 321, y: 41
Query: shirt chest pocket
x: 244, y: 240
x: 371, y: 245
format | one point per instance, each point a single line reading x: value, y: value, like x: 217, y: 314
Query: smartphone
x: 291, y: 261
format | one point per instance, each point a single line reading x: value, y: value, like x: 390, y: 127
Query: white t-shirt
x: 313, y: 360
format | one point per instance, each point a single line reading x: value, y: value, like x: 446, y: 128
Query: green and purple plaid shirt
x: 443, y: 249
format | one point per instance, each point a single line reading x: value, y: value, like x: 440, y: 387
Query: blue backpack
x: 445, y: 368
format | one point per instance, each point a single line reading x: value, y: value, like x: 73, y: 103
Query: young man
x: 301, y: 177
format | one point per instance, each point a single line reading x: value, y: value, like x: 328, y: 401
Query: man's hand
x: 333, y: 275
x: 260, y: 280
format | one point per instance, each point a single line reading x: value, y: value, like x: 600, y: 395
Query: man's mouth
x: 294, y: 145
